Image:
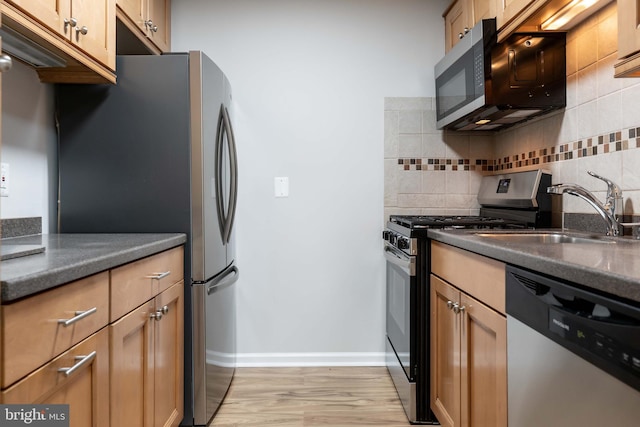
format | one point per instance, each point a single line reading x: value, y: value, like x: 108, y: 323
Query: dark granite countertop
x: 607, y: 268
x: 68, y: 257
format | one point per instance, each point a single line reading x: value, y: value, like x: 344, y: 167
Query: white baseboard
x: 256, y: 360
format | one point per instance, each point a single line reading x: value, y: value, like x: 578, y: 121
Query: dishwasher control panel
x: 566, y: 326
x: 600, y: 329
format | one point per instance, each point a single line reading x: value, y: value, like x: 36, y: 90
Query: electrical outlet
x: 4, y: 179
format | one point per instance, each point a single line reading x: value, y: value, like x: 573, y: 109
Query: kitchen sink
x: 550, y: 237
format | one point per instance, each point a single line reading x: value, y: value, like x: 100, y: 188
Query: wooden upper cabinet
x: 483, y: 9
x: 135, y: 10
x: 507, y: 10
x: 51, y: 13
x: 149, y: 21
x: 80, y: 34
x: 628, y: 39
x: 87, y: 24
x: 456, y: 19
x: 160, y: 29
x: 95, y: 29
x: 462, y: 15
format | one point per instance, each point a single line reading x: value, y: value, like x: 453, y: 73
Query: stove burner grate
x: 449, y: 221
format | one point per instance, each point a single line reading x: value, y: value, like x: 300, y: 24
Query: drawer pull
x: 159, y: 276
x: 79, y: 315
x: 82, y: 360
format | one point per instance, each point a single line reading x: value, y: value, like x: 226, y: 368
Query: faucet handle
x: 613, y: 189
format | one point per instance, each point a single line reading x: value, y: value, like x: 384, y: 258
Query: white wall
x: 309, y: 80
x: 28, y: 146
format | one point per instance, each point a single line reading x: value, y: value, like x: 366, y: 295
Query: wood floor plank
x: 313, y: 396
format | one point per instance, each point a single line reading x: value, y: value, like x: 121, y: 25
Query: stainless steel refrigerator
x: 156, y: 153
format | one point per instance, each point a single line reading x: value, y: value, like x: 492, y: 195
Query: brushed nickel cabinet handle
x: 82, y: 360
x: 82, y: 30
x: 159, y: 276
x: 70, y: 22
x: 157, y: 315
x: 457, y: 308
x: 79, y: 315
x: 165, y: 309
x: 151, y: 26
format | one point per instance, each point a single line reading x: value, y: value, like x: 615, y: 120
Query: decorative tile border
x: 601, y: 144
x: 443, y: 164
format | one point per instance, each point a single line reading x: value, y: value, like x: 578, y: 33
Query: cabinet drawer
x: 479, y: 276
x: 86, y: 389
x: 138, y: 282
x: 33, y: 331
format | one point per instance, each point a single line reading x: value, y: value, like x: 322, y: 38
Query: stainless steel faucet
x: 609, y: 211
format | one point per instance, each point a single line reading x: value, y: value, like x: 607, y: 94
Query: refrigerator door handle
x: 233, y: 160
x: 222, y: 220
x: 226, y: 279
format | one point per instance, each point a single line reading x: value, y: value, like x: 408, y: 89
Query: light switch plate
x: 281, y: 185
x: 4, y: 179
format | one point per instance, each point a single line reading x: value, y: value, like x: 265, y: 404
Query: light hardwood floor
x: 337, y: 396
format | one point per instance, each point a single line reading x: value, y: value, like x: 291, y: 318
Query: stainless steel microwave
x: 485, y: 85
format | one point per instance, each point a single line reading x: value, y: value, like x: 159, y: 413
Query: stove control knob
x: 386, y: 235
x: 403, y: 243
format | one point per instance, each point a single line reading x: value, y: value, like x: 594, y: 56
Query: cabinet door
x: 86, y: 390
x: 509, y: 9
x: 136, y: 10
x: 483, y: 353
x: 160, y: 15
x: 51, y: 13
x: 482, y: 9
x: 455, y: 21
x: 628, y: 27
x: 445, y: 354
x: 132, y: 365
x: 169, y: 356
x: 97, y: 19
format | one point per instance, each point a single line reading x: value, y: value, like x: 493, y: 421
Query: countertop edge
x: 39, y: 281
x: 605, y: 282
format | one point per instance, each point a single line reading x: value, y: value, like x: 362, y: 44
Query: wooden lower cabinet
x: 468, y: 359
x: 86, y: 389
x: 169, y: 358
x: 147, y: 363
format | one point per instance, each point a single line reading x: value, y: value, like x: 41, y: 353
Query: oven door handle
x: 405, y: 262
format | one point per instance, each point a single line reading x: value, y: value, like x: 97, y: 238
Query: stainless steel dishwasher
x: 573, y: 355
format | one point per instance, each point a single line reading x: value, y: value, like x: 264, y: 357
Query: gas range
x: 514, y: 200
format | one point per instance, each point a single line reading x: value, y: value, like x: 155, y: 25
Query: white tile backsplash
x: 596, y: 131
x: 410, y: 145
x: 410, y: 121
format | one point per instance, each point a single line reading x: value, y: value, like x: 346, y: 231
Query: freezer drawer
x: 214, y: 342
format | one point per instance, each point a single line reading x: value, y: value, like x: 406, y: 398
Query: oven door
x: 401, y: 283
